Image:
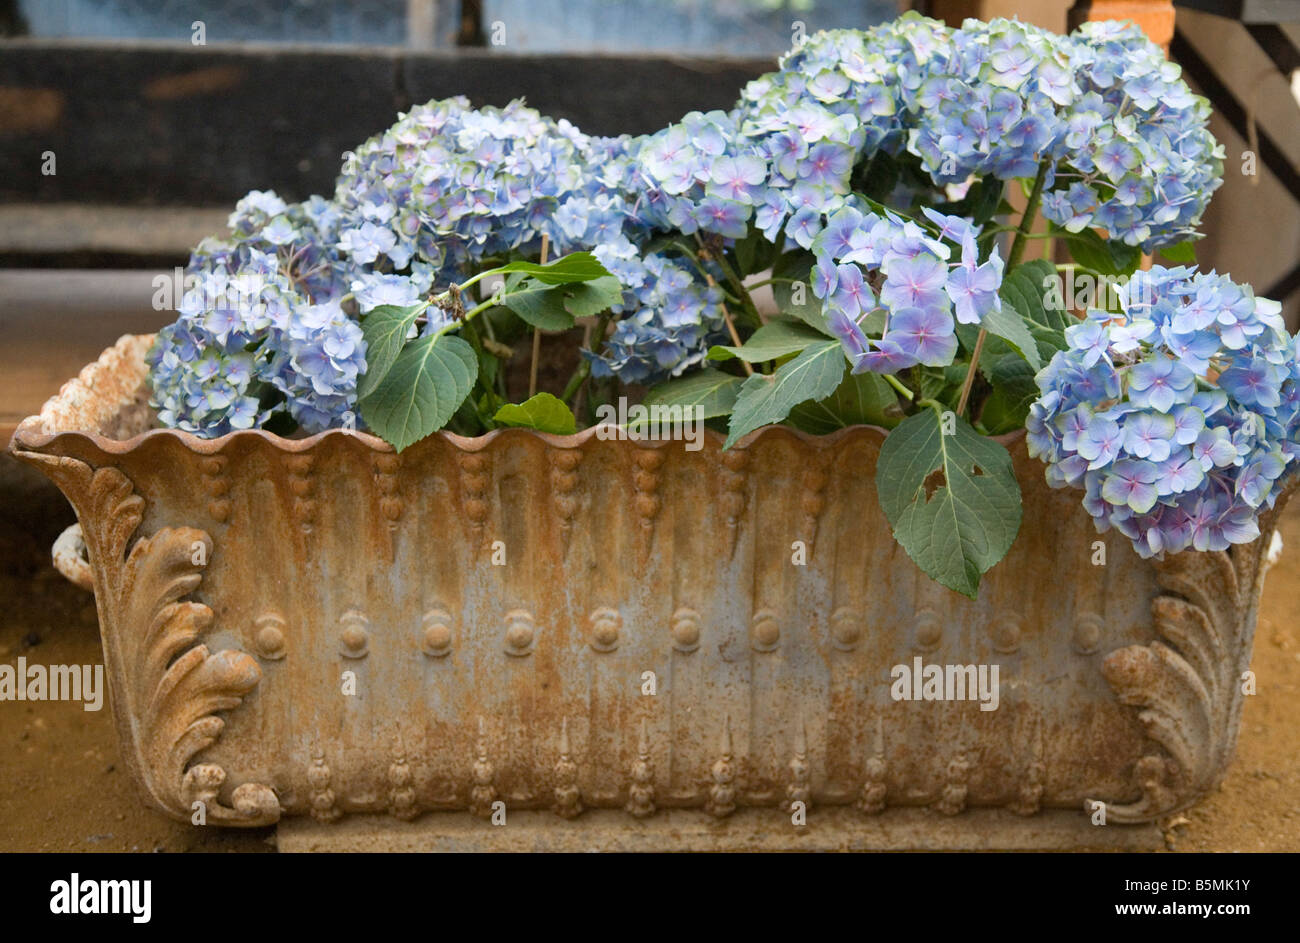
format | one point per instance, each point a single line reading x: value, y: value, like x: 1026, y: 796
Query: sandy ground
x: 63, y: 787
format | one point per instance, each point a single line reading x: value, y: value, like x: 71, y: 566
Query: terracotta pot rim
x: 113, y: 382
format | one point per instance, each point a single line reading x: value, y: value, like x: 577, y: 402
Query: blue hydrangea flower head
x: 1173, y: 451
x: 260, y: 330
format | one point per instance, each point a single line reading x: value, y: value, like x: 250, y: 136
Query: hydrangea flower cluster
x: 1122, y: 139
x: 451, y: 185
x: 1126, y: 142
x: 921, y: 292
x: 989, y: 102
x: 834, y: 101
x: 701, y: 175
x: 260, y: 329
x: 704, y: 175
x: 1139, y: 160
x: 673, y: 317
x: 1177, y: 416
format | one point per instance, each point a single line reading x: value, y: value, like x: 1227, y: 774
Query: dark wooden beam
x: 1247, y: 11
x: 1276, y: 45
x: 169, y: 124
x: 1232, y: 111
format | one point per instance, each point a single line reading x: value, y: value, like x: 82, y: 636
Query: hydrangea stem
x: 575, y: 381
x: 898, y: 385
x: 475, y: 279
x: 1027, y: 220
x: 471, y: 313
x: 1013, y: 259
x: 537, y: 335
x: 593, y: 338
x: 969, y: 381
x: 731, y: 327
x: 746, y: 301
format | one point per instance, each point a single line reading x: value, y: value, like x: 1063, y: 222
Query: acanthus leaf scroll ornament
x: 1186, y: 683
x: 169, y: 687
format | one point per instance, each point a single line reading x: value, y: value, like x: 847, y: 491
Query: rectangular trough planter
x: 321, y: 627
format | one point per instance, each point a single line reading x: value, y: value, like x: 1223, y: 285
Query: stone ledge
x: 48, y: 228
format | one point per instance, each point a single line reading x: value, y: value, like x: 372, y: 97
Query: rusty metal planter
x: 240, y: 579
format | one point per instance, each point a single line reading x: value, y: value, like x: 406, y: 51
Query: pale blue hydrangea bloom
x: 1174, y: 452
x: 670, y: 317
x: 452, y: 185
x: 260, y: 330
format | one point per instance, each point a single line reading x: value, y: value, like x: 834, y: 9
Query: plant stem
x: 1013, y: 259
x: 731, y: 325
x: 735, y: 337
x: 994, y: 231
x: 475, y: 279
x: 746, y: 301
x: 593, y: 337
x: 1038, y: 235
x: 537, y: 334
x: 772, y: 281
x: 1027, y: 220
x: 500, y: 351
x: 470, y: 333
x: 897, y: 385
x: 471, y: 313
x: 967, y: 383
x: 579, y: 376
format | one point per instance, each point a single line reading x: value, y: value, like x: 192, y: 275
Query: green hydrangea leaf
x: 1104, y: 256
x: 428, y: 382
x: 793, y: 288
x: 1014, y: 391
x: 1183, y: 253
x: 543, y: 412
x: 574, y: 267
x: 950, y: 495
x: 537, y: 303
x: 768, y: 398
x: 712, y: 390
x: 586, y: 299
x: 1009, y: 324
x: 777, y: 338
x: 860, y: 399
x: 385, y: 329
